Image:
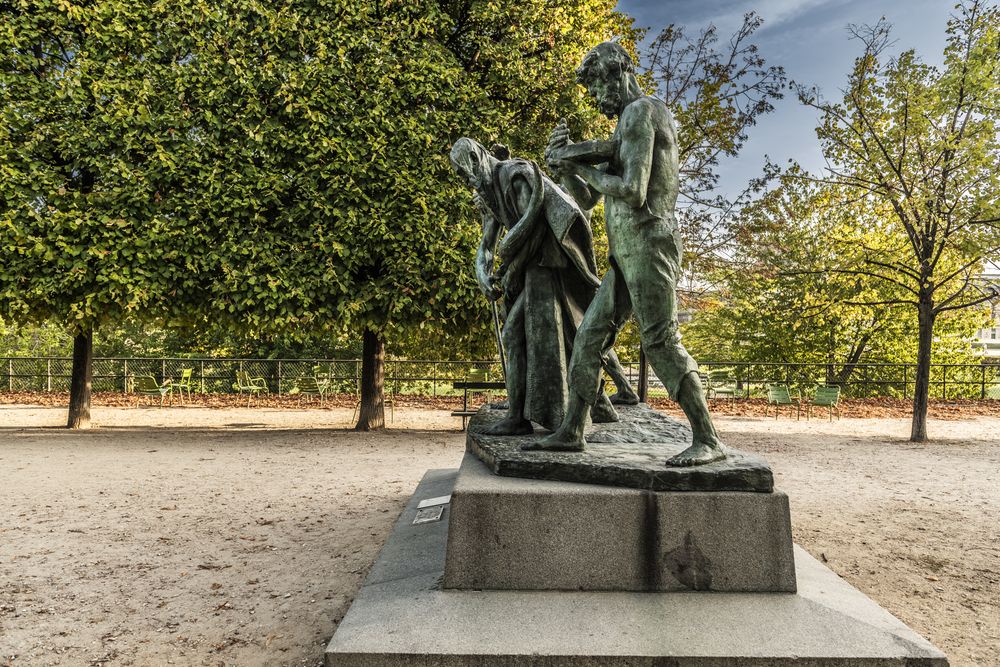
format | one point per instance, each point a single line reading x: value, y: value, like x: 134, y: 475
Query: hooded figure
x: 547, y: 278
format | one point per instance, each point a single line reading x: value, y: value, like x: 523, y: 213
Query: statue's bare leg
x: 603, y: 411
x: 517, y: 372
x: 705, y: 446
x: 569, y: 436
x: 624, y: 394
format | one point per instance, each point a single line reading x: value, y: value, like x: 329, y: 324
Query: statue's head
x: 605, y: 72
x: 472, y: 161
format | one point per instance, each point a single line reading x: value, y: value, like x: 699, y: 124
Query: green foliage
x: 782, y: 303
x: 127, y: 338
x: 85, y: 236
x: 46, y: 340
x: 346, y: 190
x: 918, y: 145
x: 274, y: 169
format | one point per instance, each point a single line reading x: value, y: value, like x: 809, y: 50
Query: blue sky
x: 809, y: 39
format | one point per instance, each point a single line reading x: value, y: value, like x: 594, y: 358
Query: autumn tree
x: 920, y: 143
x: 717, y: 91
x: 782, y: 298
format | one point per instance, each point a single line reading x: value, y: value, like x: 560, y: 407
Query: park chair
x: 184, y: 383
x: 314, y: 386
x: 826, y: 396
x: 706, y: 383
x: 722, y: 384
x: 779, y: 395
x: 249, y: 386
x: 148, y: 386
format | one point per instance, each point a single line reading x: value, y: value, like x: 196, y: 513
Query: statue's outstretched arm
x: 635, y: 153
x: 585, y: 196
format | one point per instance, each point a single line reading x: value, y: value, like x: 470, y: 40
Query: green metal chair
x: 722, y: 384
x: 250, y: 386
x: 184, y: 384
x: 779, y: 395
x: 313, y: 386
x: 148, y: 386
x: 706, y: 383
x: 825, y: 396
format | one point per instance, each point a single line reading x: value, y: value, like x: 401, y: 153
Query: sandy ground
x: 196, y: 536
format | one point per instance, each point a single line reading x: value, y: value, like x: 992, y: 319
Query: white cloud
x: 774, y: 12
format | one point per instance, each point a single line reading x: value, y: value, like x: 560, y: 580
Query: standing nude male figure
x: 637, y: 174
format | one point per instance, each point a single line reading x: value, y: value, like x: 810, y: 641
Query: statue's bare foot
x: 560, y: 441
x: 603, y: 412
x: 625, y: 398
x: 509, y: 426
x: 699, y: 453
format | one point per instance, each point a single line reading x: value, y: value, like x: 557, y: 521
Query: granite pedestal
x: 403, y: 616
x: 509, y: 533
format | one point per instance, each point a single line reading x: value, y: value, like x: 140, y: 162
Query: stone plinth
x: 523, y: 534
x: 403, y: 618
x: 630, y: 452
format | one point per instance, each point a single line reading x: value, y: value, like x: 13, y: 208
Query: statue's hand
x: 558, y: 138
x: 480, y: 203
x: 491, y: 288
x: 562, y: 167
x: 496, y: 283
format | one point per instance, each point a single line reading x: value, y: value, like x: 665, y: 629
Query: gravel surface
x: 198, y: 536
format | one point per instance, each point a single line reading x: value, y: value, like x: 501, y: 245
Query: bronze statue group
x: 561, y: 318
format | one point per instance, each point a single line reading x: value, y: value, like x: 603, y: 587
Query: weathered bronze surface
x: 637, y: 175
x: 625, y: 453
x: 546, y: 278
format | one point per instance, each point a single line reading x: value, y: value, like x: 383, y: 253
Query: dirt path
x: 194, y: 536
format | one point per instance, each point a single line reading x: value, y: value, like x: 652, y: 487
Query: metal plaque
x: 431, y: 502
x: 428, y: 515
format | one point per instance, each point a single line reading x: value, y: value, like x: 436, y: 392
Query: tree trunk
x: 922, y: 383
x: 853, y: 359
x: 371, y: 416
x: 79, y: 389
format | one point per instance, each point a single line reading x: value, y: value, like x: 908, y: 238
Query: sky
x: 809, y: 38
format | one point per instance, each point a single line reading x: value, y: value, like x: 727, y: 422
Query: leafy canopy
x: 277, y: 168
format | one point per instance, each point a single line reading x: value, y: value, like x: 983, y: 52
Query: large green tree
x: 86, y: 234
x: 920, y: 143
x: 324, y: 129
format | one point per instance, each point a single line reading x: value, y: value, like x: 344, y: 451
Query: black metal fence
x: 434, y: 378
x: 212, y: 375
x: 869, y: 380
